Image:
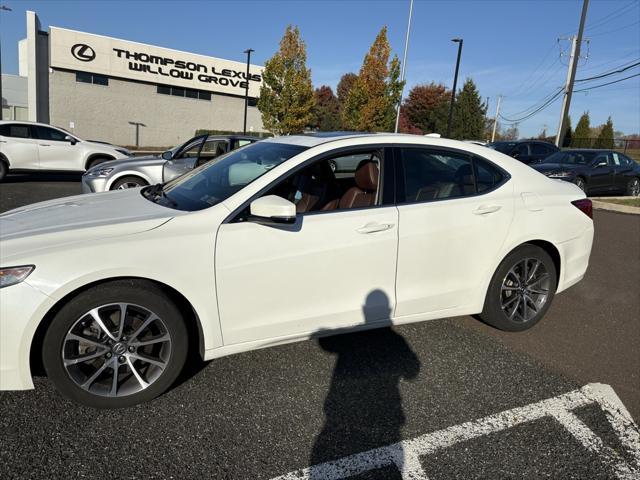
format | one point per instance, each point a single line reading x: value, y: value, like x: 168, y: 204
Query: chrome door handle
x: 45, y: 145
x: 486, y: 209
x: 375, y: 227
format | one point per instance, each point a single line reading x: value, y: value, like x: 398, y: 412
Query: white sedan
x: 267, y: 246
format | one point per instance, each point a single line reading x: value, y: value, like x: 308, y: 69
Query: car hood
x: 132, y: 162
x: 79, y: 218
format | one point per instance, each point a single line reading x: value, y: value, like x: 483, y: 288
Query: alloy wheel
x: 126, y: 185
x: 525, y: 290
x: 634, y: 187
x: 116, y: 350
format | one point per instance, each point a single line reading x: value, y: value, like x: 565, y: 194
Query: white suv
x: 41, y: 147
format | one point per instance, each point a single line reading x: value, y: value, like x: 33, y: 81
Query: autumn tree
x: 468, y: 113
x: 581, y: 136
x: 511, y: 133
x: 568, y: 133
x: 344, y: 86
x: 326, y: 111
x: 426, y: 107
x: 372, y: 101
x: 405, y: 125
x: 286, y: 96
x: 605, y: 138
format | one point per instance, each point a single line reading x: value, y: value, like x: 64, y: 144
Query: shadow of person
x: 363, y: 408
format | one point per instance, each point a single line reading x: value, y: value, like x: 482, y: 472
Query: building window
x: 184, y: 92
x: 84, y: 77
x: 253, y: 101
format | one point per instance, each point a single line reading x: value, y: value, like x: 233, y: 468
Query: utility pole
x: 495, y: 121
x: 459, y: 41
x: 404, y: 63
x: 246, y: 90
x: 576, y: 41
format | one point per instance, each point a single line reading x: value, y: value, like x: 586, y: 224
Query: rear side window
x: 14, y: 130
x: 436, y: 175
x: 540, y: 149
x: 46, y: 133
x: 488, y: 176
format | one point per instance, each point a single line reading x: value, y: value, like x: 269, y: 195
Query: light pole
x: 404, y: 63
x: 137, y: 125
x: 6, y: 9
x: 455, y: 84
x: 246, y: 90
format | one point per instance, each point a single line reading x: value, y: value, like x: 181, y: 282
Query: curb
x: 600, y: 203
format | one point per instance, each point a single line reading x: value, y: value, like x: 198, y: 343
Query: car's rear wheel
x: 128, y: 182
x: 633, y: 187
x: 115, y: 345
x: 581, y: 184
x: 521, y: 289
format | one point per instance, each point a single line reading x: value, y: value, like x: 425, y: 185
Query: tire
x: 505, y: 306
x: 128, y: 182
x: 80, y: 358
x: 3, y: 169
x: 97, y: 161
x: 582, y: 185
x: 633, y: 187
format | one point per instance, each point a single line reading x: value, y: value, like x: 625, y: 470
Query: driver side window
x: 337, y: 183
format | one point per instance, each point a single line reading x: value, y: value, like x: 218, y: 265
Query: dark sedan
x: 594, y: 171
x: 527, y: 151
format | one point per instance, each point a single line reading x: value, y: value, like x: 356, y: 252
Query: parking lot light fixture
x: 137, y: 125
x: 246, y: 90
x: 459, y: 41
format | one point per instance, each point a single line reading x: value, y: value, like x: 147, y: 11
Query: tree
x: 405, y: 125
x: 568, y: 135
x: 605, y: 139
x: 372, y: 101
x: 468, y: 113
x: 581, y: 136
x: 345, y: 85
x: 326, y: 112
x: 426, y: 107
x: 511, y: 133
x: 286, y: 96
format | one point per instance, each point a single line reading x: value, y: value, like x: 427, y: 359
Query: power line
x: 609, y: 62
x: 615, y: 29
x: 551, y: 100
x: 611, y: 16
x: 535, y: 70
x: 607, y: 74
x: 608, y: 83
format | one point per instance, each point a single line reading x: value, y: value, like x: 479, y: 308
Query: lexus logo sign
x: 83, y: 52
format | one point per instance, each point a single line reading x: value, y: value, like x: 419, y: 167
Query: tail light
x: 585, y: 206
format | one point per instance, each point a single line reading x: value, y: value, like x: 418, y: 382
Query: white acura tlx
x: 269, y: 244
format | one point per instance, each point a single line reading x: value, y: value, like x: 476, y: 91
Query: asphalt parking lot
x: 445, y: 399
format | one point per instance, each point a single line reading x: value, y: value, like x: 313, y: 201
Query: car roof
x: 315, y: 139
x: 587, y: 150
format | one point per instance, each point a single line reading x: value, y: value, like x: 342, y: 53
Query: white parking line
x: 405, y: 455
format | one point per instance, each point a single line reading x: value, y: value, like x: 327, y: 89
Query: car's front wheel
x: 128, y: 182
x: 3, y: 169
x: 633, y: 187
x: 521, y: 289
x: 115, y: 345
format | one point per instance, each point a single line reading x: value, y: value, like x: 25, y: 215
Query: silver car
x: 140, y: 171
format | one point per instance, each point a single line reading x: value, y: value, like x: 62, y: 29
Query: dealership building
x: 100, y: 87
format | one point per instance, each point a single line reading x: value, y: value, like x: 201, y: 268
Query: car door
x: 212, y: 148
x: 17, y: 145
x: 602, y: 173
x: 454, y: 213
x: 521, y: 152
x: 333, y: 268
x: 55, y: 151
x: 623, y: 171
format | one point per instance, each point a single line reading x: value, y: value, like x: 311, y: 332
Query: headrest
x: 367, y: 176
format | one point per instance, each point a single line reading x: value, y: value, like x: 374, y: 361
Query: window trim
x: 399, y: 168
x: 387, y: 174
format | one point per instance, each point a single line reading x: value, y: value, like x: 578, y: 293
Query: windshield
x: 217, y: 180
x: 502, y: 147
x: 570, y: 158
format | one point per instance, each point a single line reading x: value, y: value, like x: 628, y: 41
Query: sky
x: 511, y: 47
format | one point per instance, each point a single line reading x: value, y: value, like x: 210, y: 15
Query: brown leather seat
x: 316, y: 186
x: 364, y: 193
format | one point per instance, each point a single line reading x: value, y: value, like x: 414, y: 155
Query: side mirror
x: 70, y: 139
x: 272, y: 210
x: 168, y: 155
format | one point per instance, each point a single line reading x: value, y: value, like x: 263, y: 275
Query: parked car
x: 267, y: 246
x: 30, y: 146
x: 124, y: 150
x: 594, y: 171
x: 140, y: 171
x: 527, y: 151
